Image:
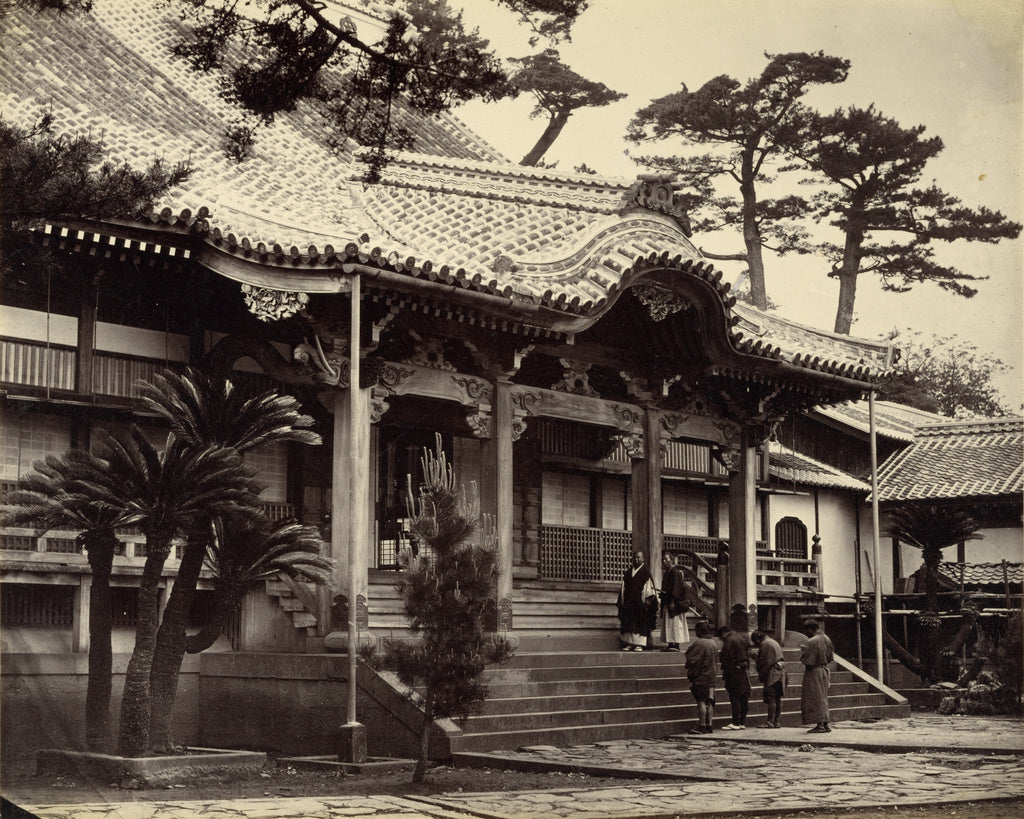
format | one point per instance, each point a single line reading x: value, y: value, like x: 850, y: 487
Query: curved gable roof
x: 554, y: 249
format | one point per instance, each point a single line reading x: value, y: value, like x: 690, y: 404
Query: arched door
x: 791, y: 538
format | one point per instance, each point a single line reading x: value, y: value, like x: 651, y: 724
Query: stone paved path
x: 926, y: 760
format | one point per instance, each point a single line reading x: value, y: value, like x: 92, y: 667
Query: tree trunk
x: 100, y: 553
x: 905, y: 658
x: 420, y: 773
x: 752, y: 233
x: 170, y: 646
x: 211, y: 630
x: 848, y: 273
x: 555, y: 126
x: 133, y: 736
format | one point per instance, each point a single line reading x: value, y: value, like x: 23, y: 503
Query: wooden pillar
x: 646, y: 490
x: 351, y: 533
x: 743, y: 527
x: 86, y: 336
x: 819, y: 579
x: 496, y: 497
x: 80, y: 615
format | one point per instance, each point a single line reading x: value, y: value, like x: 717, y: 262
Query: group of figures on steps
x: 638, y: 605
x: 638, y: 608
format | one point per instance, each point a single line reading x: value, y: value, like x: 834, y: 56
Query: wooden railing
x: 780, y: 575
x: 586, y: 553
x: 52, y: 366
x: 37, y: 364
x: 24, y: 541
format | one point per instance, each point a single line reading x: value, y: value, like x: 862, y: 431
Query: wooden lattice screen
x: 577, y: 553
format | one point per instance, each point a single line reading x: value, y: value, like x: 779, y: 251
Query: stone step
x: 527, y: 659
x: 572, y: 698
x: 649, y: 685
x: 587, y: 734
x: 499, y: 675
x: 661, y: 709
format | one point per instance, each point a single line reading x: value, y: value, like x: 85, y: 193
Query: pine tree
x: 447, y: 589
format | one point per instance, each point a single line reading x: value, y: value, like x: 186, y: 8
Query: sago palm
x: 166, y: 493
x: 931, y: 528
x: 244, y: 555
x: 205, y: 410
x: 58, y: 495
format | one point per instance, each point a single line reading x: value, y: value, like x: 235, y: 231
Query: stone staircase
x: 590, y: 696
x: 298, y: 599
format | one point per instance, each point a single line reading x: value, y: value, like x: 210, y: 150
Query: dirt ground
x: 285, y: 782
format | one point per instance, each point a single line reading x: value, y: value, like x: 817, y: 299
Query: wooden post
x: 503, y: 499
x: 819, y: 584
x: 879, y: 652
x: 722, y: 596
x: 357, y: 449
x: 80, y: 615
x: 782, y: 621
x: 646, y: 492
x: 86, y: 336
x: 743, y: 532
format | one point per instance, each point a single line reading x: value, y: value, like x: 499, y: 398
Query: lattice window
x: 20, y: 543
x: 578, y: 553
x: 23, y: 604
x: 124, y: 604
x: 63, y: 545
x: 574, y: 440
x: 791, y: 538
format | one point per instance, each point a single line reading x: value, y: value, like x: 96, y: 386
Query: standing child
x: 771, y: 670
x: 700, y: 659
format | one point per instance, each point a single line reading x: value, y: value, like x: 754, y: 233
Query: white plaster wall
x: 995, y: 546
x: 34, y: 325
x: 837, y: 527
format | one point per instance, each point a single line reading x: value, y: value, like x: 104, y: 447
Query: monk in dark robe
x: 673, y: 604
x: 638, y: 606
x: 816, y: 655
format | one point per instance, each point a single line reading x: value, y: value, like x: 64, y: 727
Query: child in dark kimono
x: 700, y: 659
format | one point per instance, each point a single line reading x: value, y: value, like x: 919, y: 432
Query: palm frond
x: 932, y: 527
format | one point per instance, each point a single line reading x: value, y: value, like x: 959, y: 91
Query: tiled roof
x: 456, y: 214
x: 788, y: 466
x: 957, y: 459
x: 896, y: 421
x: 982, y: 573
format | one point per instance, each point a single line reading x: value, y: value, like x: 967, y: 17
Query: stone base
x: 337, y: 641
x: 373, y: 764
x: 352, y: 743
x: 151, y: 771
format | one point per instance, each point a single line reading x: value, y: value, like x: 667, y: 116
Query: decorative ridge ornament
x: 660, y: 303
x: 273, y: 305
x: 658, y: 191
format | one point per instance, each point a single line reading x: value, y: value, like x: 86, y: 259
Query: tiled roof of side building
x: 788, y: 466
x: 298, y: 207
x: 982, y: 573
x: 957, y: 459
x: 896, y: 421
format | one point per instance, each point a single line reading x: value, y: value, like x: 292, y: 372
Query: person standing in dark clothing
x: 638, y: 606
x: 673, y: 604
x: 735, y: 661
x: 817, y: 654
x: 700, y: 671
x: 771, y: 670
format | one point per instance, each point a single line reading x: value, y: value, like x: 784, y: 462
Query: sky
x: 954, y: 66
